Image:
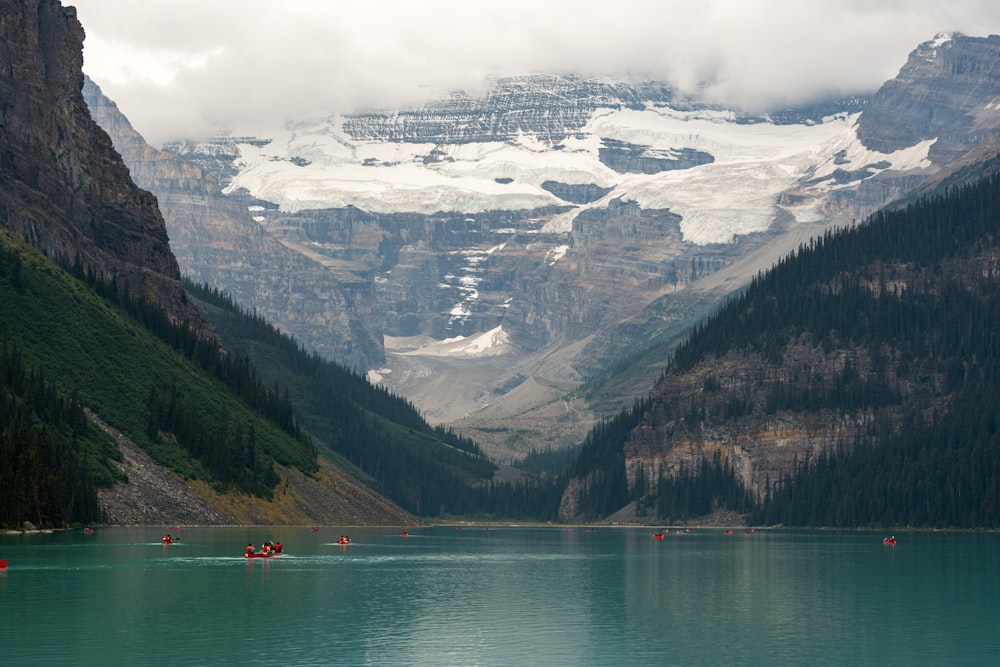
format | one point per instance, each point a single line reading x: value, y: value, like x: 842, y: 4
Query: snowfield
x: 315, y: 164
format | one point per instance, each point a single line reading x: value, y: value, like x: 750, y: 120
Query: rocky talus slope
x: 153, y: 495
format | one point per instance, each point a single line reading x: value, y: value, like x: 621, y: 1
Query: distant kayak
x: 3, y: 564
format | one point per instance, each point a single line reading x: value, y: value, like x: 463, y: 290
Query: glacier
x: 318, y: 165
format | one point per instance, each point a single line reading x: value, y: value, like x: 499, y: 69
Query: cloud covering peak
x: 188, y: 68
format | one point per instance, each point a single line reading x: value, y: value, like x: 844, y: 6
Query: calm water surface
x: 503, y: 596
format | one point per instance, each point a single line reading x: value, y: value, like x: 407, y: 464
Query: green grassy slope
x: 84, y: 344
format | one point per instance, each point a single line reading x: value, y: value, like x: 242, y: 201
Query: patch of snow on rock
x: 490, y: 343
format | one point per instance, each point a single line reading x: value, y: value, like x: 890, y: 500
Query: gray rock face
x: 946, y: 91
x: 576, y: 194
x: 323, y: 303
x: 62, y: 185
x: 629, y: 158
x: 550, y: 107
x: 577, y: 285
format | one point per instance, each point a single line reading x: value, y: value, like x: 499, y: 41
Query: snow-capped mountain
x: 532, y: 141
x: 519, y: 240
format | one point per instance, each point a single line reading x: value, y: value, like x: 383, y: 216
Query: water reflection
x: 506, y: 596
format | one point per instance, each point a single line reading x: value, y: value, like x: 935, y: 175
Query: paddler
x: 250, y: 549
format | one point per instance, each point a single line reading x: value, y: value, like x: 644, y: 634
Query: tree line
x: 429, y: 471
x: 911, y: 298
x: 44, y: 476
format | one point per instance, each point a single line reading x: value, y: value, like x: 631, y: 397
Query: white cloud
x: 188, y: 67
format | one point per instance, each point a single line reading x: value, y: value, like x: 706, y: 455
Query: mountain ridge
x: 96, y: 321
x: 217, y: 242
x: 869, y: 350
x: 585, y: 233
x: 85, y: 210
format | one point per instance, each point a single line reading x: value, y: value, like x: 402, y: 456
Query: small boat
x: 344, y: 539
x: 88, y: 531
x: 258, y: 554
x: 729, y: 532
x: 658, y: 536
x: 3, y: 564
x: 405, y: 533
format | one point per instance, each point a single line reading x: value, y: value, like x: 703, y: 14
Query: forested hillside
x: 223, y: 411
x: 870, y: 358
x: 429, y: 471
x: 74, y: 341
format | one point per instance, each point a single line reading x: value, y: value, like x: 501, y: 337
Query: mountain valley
x: 489, y: 256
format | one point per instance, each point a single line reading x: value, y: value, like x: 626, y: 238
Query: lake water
x: 503, y: 596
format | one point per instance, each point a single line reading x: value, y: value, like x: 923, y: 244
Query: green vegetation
x: 430, y: 471
x: 220, y: 411
x: 911, y: 300
x: 52, y: 456
x: 199, y: 411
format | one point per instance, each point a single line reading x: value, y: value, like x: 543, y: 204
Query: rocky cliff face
x: 512, y: 106
x: 769, y: 396
x: 587, y: 219
x: 947, y: 91
x: 63, y: 186
x: 326, y: 304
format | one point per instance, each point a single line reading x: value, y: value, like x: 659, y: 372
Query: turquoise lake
x: 503, y: 596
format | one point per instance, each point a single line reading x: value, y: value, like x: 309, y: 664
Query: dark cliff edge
x: 65, y: 190
x: 938, y: 94
x: 63, y: 187
x: 218, y: 243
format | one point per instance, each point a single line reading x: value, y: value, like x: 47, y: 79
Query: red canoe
x: 259, y: 554
x: 3, y: 564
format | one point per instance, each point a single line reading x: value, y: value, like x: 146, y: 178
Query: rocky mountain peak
x: 217, y: 242
x: 585, y: 220
x: 63, y: 187
x: 946, y: 91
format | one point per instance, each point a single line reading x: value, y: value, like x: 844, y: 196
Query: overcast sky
x: 187, y: 68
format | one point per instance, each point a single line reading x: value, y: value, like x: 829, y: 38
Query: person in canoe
x: 167, y: 539
x: 277, y: 547
x: 250, y: 549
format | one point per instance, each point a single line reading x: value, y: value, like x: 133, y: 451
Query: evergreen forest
x: 221, y: 409
x: 430, y: 471
x: 909, y: 304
